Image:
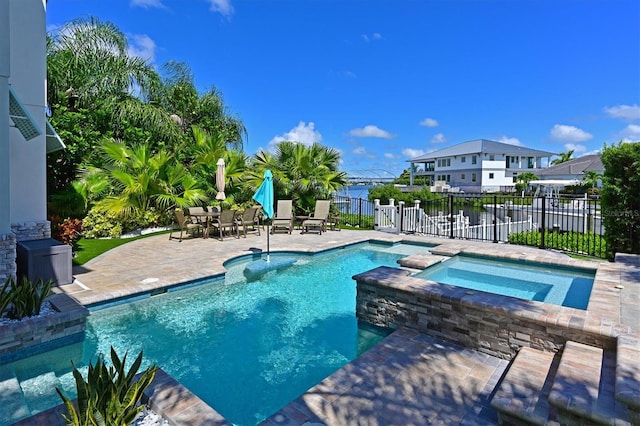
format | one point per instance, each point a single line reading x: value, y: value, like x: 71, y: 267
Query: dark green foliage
x: 386, y: 192
x: 352, y: 220
x: 586, y: 244
x: 621, y: 198
x: 109, y: 395
x: 23, y: 298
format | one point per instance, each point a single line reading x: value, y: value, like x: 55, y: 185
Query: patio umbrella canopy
x: 220, y: 180
x: 264, y: 196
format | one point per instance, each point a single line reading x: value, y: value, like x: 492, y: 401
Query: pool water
x: 245, y: 346
x: 549, y: 284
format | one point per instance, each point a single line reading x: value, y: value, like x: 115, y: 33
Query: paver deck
x: 409, y: 378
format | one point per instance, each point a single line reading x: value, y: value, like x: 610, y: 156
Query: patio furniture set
x: 202, y: 222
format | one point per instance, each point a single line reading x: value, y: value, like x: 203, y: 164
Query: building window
x: 448, y: 178
x: 514, y: 159
x: 515, y: 177
x: 463, y: 159
x: 474, y: 159
x: 462, y: 176
x: 492, y: 157
x: 448, y: 162
x: 473, y: 177
x: 490, y: 175
x: 530, y: 161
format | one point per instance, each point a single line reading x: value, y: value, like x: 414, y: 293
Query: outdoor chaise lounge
x: 318, y: 220
x: 284, y: 216
x: 185, y: 224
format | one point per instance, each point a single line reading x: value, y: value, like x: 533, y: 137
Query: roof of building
x: 482, y: 146
x: 577, y: 166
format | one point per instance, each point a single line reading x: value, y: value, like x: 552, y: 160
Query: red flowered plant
x: 67, y: 231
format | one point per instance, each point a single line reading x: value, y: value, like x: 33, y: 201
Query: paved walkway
x: 409, y: 378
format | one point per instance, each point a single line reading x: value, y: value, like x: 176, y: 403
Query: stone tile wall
x: 7, y: 256
x: 492, y: 324
x: 39, y: 334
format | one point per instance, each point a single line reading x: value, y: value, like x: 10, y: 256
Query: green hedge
x: 585, y: 244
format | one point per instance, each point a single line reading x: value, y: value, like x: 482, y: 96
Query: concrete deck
x: 409, y: 378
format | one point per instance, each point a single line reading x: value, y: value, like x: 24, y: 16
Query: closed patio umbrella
x: 264, y: 196
x: 220, y: 181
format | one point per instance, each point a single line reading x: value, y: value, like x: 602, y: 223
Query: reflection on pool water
x: 530, y: 281
x: 245, y: 346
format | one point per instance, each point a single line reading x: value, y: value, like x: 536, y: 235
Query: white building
x: 479, y: 166
x: 24, y: 130
x: 576, y: 168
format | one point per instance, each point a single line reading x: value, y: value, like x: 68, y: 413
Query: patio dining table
x: 205, y: 218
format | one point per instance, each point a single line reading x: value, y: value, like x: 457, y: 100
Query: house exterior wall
x: 22, y: 163
x: 488, y: 173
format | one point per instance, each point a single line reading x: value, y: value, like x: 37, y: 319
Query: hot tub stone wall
x: 492, y: 324
x: 7, y: 256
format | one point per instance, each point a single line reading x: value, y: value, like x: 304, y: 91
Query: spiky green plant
x: 109, y: 395
x: 24, y: 298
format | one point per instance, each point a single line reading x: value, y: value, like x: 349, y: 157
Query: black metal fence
x: 356, y: 212
x: 571, y: 224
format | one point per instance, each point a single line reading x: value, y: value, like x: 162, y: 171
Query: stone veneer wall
x: 7, y: 256
x: 492, y: 324
x: 39, y: 334
x: 24, y: 231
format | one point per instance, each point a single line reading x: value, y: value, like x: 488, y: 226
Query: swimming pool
x: 245, y: 346
x: 531, y: 281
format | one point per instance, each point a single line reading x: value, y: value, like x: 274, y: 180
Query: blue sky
x: 386, y: 80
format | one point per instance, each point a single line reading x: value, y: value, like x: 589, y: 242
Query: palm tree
x: 563, y: 157
x: 591, y: 177
x: 141, y: 181
x: 302, y: 173
x: 523, y: 180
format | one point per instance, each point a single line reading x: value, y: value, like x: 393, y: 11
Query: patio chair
x: 226, y: 220
x: 284, y: 216
x: 318, y: 220
x: 185, y: 224
x: 258, y: 219
x: 249, y: 220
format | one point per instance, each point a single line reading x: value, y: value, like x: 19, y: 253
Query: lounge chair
x: 249, y: 220
x: 226, y: 220
x: 185, y: 224
x: 318, y: 220
x: 284, y: 216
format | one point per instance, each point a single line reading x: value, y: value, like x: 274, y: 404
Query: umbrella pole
x: 268, y: 253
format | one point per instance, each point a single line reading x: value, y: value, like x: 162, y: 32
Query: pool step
x: 13, y: 406
x: 522, y: 395
x: 577, y: 388
x: 584, y: 387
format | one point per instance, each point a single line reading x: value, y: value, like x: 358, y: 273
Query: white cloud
x: 142, y: 46
x: 222, y: 7
x: 372, y: 37
x: 631, y: 133
x: 412, y: 153
x: 350, y: 74
x: 429, y: 122
x: 147, y: 4
x: 389, y: 155
x: 303, y: 133
x: 371, y: 131
x: 577, y: 148
x: 568, y: 134
x: 625, y: 112
x: 438, y: 138
x: 360, y: 150
x: 510, y: 141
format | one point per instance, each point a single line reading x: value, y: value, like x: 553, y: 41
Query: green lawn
x: 87, y: 249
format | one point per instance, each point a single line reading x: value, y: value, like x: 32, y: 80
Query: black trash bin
x: 45, y: 258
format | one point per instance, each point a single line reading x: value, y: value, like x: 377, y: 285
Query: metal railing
x: 356, y: 212
x: 566, y: 223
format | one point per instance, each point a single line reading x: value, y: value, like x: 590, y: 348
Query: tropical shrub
x: 621, y: 198
x: 23, y: 298
x: 109, y: 395
x: 104, y: 223
x: 386, y: 192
